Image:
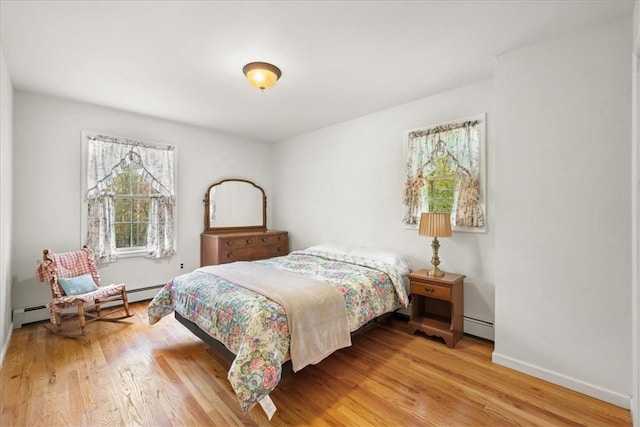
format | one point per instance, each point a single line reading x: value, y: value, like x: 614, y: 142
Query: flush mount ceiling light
x: 261, y: 75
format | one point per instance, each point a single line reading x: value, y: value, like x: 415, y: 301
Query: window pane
x: 141, y: 210
x: 123, y: 235
x: 441, y: 206
x: 123, y: 210
x: 140, y: 234
x: 139, y: 185
x: 444, y: 193
x: 122, y: 183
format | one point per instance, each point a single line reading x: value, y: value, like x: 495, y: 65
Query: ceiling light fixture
x: 261, y: 75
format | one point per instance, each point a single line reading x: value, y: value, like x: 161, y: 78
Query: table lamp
x: 435, y: 225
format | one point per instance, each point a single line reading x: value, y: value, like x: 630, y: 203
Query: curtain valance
x: 109, y: 156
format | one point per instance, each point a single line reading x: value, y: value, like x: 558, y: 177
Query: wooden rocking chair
x: 75, y: 284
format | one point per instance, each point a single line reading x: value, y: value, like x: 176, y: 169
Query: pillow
x: 331, y: 248
x: 78, y: 285
x: 387, y: 257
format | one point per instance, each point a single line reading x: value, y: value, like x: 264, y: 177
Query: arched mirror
x: 235, y: 204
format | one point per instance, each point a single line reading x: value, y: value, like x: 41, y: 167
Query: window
x: 130, y: 197
x: 132, y: 194
x: 445, y: 173
x: 440, y: 187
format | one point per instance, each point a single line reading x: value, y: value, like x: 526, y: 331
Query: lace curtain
x: 107, y: 157
x: 459, y: 143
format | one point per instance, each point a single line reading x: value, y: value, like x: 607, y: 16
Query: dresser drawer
x: 431, y: 290
x: 271, y: 240
x: 242, y: 242
x: 238, y: 242
x: 251, y: 253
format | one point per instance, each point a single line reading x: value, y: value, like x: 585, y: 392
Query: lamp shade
x: 261, y: 75
x: 435, y: 224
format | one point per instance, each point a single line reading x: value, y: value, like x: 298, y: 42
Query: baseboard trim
x: 23, y: 316
x: 574, y: 384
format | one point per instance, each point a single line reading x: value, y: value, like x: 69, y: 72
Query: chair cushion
x: 78, y: 285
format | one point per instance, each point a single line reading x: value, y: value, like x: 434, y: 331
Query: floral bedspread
x: 255, y: 328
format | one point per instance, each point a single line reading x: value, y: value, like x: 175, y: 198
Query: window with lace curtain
x: 130, y: 196
x: 132, y: 200
x: 445, y: 173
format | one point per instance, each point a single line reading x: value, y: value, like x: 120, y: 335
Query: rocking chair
x: 75, y: 284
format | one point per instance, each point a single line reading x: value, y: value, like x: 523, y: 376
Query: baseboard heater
x: 472, y: 326
x: 479, y: 328
x: 23, y: 316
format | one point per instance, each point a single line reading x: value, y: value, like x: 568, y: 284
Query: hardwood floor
x: 134, y: 374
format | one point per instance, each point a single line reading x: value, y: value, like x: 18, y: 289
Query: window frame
x: 125, y: 252
x: 482, y: 168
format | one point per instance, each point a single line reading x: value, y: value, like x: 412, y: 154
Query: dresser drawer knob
x: 229, y: 243
x: 429, y: 290
x: 264, y: 239
x: 229, y: 255
x: 279, y: 248
x: 248, y: 241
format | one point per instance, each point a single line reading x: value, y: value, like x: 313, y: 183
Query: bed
x: 228, y: 303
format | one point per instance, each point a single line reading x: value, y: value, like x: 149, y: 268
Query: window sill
x: 131, y: 253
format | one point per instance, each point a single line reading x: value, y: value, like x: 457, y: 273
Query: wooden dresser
x: 224, y: 247
x: 235, y: 225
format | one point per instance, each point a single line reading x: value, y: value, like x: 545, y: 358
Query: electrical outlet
x: 181, y: 266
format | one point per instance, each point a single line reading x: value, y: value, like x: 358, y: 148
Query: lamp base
x: 435, y: 260
x: 435, y: 272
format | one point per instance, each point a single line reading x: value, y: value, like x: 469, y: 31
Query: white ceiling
x: 182, y: 60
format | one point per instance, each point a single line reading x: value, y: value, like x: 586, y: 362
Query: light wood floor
x: 139, y: 375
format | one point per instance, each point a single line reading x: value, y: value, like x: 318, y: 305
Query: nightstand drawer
x: 431, y: 291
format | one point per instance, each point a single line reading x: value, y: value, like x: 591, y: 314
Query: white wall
x: 47, y: 178
x: 563, y: 223
x: 6, y: 196
x: 344, y: 184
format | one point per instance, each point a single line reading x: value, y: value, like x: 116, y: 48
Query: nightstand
x: 437, y: 305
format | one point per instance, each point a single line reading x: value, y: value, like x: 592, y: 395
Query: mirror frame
x: 216, y: 230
